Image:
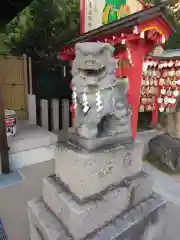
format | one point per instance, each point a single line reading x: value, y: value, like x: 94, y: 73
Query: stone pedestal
x: 103, y: 194
x: 143, y: 222
x: 86, y: 174
x: 93, y: 214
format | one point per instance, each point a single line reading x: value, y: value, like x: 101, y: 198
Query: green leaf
x: 42, y: 24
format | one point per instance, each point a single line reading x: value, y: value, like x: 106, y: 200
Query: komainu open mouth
x: 92, y: 72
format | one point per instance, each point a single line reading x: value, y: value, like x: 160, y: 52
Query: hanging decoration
x: 98, y: 101
x: 85, y: 102
x: 74, y: 96
x: 129, y: 56
x: 149, y: 87
x: 168, y: 86
x: 160, y: 85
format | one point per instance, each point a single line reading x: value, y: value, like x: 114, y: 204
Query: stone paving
x: 171, y: 230
x: 169, y: 188
x: 164, y: 184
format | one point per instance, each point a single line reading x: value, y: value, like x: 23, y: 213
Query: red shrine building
x: 133, y: 37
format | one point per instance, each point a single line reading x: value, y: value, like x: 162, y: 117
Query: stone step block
x: 43, y: 223
x: 141, y: 185
x: 33, y: 230
x: 143, y: 222
x: 34, y: 233
x: 94, y: 214
x: 87, y: 174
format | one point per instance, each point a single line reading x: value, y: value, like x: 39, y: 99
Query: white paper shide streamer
x: 85, y: 102
x: 74, y: 96
x: 98, y: 101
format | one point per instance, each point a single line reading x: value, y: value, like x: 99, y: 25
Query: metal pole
x: 4, y: 157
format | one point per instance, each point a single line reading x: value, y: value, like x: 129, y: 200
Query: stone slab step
x: 143, y: 222
x: 34, y: 232
x: 43, y: 223
x: 94, y: 214
x: 31, y: 144
x: 30, y: 136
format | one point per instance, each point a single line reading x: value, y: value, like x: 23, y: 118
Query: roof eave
x: 129, y: 21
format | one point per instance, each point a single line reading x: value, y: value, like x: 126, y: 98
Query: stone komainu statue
x: 101, y: 106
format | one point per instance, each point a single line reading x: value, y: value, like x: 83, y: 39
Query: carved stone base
x: 143, y: 222
x: 94, y: 214
x: 88, y: 174
x: 93, y: 144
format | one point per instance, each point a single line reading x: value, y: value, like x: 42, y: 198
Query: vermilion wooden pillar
x: 138, y: 50
x: 82, y: 14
